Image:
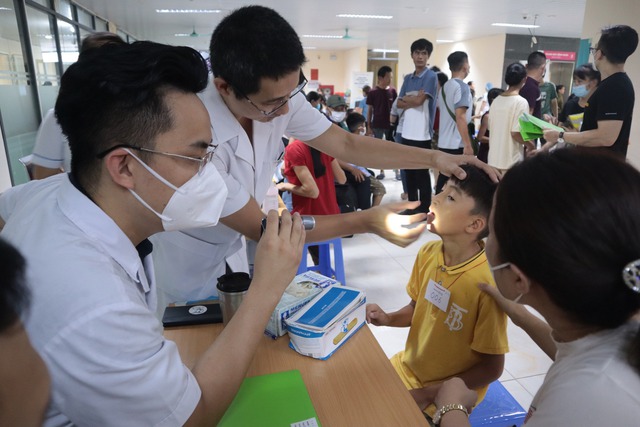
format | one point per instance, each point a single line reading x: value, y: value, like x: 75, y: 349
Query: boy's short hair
x: 354, y: 120
x: 14, y: 295
x: 536, y: 60
x: 481, y: 189
x: 493, y: 94
x: 422, y: 44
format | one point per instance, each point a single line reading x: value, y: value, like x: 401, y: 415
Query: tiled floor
x: 382, y: 270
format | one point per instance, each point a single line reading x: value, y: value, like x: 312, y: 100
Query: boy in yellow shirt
x: 455, y: 328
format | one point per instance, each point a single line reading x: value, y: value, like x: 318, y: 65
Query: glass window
x: 85, y: 17
x: 68, y: 43
x: 45, y: 3
x: 122, y: 35
x: 64, y: 7
x: 20, y: 112
x: 101, y: 24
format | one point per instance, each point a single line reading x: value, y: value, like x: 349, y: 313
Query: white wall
x: 599, y: 14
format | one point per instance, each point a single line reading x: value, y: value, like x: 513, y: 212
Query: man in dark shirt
x: 379, y: 103
x: 607, y: 116
x: 536, y: 67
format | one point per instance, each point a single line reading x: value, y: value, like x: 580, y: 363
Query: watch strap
x: 446, y: 408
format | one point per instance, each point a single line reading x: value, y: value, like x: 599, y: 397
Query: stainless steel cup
x: 232, y: 288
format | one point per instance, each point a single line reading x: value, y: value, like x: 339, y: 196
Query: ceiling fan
x: 193, y: 33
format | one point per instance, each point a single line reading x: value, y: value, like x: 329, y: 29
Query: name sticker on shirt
x: 437, y: 295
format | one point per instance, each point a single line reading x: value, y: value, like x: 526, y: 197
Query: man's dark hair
x: 14, y: 295
x: 457, y: 60
x: 559, y: 88
x: 587, y: 72
x: 480, y: 188
x: 422, y: 44
x: 383, y: 71
x: 617, y: 43
x: 313, y: 96
x: 442, y: 78
x: 435, y: 69
x: 515, y: 74
x: 536, y: 60
x: 252, y: 43
x: 99, y: 39
x: 366, y: 89
x: 116, y: 95
x: 493, y: 94
x: 354, y: 120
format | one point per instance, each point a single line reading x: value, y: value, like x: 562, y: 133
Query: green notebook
x: 273, y: 400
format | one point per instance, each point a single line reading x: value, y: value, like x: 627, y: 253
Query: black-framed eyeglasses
x: 211, y: 149
x: 301, y: 84
x: 592, y: 50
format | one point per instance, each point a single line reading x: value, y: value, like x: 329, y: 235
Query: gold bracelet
x: 446, y: 408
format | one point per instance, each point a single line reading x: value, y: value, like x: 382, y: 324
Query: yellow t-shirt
x: 442, y: 344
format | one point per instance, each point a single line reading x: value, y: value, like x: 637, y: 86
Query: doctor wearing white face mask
x: 141, y: 164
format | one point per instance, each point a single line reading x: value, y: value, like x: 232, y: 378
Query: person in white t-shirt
x: 564, y: 241
x: 507, y: 145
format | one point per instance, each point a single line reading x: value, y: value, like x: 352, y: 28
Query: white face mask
x: 338, y: 116
x: 196, y: 204
x: 501, y: 266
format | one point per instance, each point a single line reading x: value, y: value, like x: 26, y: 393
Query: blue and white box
x: 302, y: 289
x: 327, y: 322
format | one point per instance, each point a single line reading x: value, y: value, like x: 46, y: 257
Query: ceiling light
x: 385, y: 50
x: 444, y: 41
x: 320, y: 36
x: 309, y: 47
x: 188, y: 10
x: 348, y: 15
x: 182, y: 35
x: 502, y: 24
x: 4, y: 8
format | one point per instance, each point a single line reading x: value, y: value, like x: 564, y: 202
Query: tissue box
x: 300, y: 291
x: 327, y: 322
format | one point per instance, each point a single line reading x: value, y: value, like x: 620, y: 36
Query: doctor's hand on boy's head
x: 450, y: 164
x: 384, y: 221
x: 280, y: 248
x: 377, y: 316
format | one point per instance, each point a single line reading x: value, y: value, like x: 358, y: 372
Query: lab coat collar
x: 102, y: 230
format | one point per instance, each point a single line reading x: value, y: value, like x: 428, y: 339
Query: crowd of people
x: 168, y: 167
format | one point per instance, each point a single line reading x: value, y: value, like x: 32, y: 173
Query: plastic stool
x: 326, y: 268
x: 498, y: 409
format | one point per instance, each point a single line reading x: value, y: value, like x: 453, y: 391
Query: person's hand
x: 377, y: 316
x: 279, y: 250
x: 358, y: 175
x: 384, y: 221
x: 449, y: 164
x: 455, y: 391
x: 551, y: 119
x: 551, y: 135
x: 425, y: 396
x: 281, y: 186
x: 467, y: 150
x: 509, y: 307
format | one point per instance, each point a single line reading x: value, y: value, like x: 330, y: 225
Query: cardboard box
x: 327, y: 322
x: 300, y: 291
